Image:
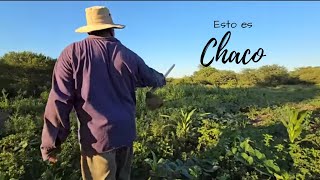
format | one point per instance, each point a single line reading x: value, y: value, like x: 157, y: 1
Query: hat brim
x: 90, y: 28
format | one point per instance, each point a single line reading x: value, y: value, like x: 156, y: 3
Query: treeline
x: 27, y: 72
x: 31, y: 73
x: 268, y: 75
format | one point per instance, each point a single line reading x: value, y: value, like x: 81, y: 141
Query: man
x: 97, y: 77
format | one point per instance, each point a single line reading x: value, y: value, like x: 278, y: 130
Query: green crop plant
x: 183, y: 123
x: 295, y: 122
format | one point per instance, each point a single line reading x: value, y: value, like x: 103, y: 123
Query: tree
x: 203, y: 74
x: 272, y: 75
x: 307, y: 74
x: 248, y: 77
x: 26, y: 59
x: 26, y: 71
x: 223, y: 78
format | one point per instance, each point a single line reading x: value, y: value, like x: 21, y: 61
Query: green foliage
x: 19, y: 124
x: 185, y: 124
x: 267, y: 139
x: 246, y: 154
x: 248, y: 77
x: 26, y: 59
x: 184, y: 138
x: 210, y: 133
x: 192, y: 168
x: 201, y: 76
x: 18, y: 157
x: 184, y: 80
x: 307, y: 74
x: 212, y: 76
x: 27, y: 71
x: 4, y: 102
x: 272, y: 75
x: 268, y: 75
x: 295, y: 122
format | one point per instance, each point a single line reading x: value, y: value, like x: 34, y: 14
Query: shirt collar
x: 106, y: 38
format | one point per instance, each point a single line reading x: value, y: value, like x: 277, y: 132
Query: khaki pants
x: 112, y: 165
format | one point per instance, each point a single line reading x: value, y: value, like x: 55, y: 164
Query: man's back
x: 105, y: 93
x: 99, y: 76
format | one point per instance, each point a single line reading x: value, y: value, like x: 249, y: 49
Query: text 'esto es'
x: 222, y: 51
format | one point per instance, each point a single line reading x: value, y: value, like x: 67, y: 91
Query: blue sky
x: 163, y: 33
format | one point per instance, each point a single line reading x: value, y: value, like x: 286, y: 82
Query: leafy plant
x: 4, y: 102
x: 210, y: 132
x: 246, y: 154
x: 184, y: 124
x: 267, y: 139
x: 190, y: 169
x: 295, y: 121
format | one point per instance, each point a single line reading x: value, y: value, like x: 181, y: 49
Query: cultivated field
x: 211, y: 127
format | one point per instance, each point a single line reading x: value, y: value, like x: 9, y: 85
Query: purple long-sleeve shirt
x: 97, y: 77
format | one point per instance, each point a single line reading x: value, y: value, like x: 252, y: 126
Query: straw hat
x: 98, y: 18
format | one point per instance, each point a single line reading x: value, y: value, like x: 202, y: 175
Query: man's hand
x: 53, y: 155
x: 153, y: 101
x: 52, y: 159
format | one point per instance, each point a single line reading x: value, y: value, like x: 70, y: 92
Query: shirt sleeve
x: 56, y: 126
x: 148, y: 77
